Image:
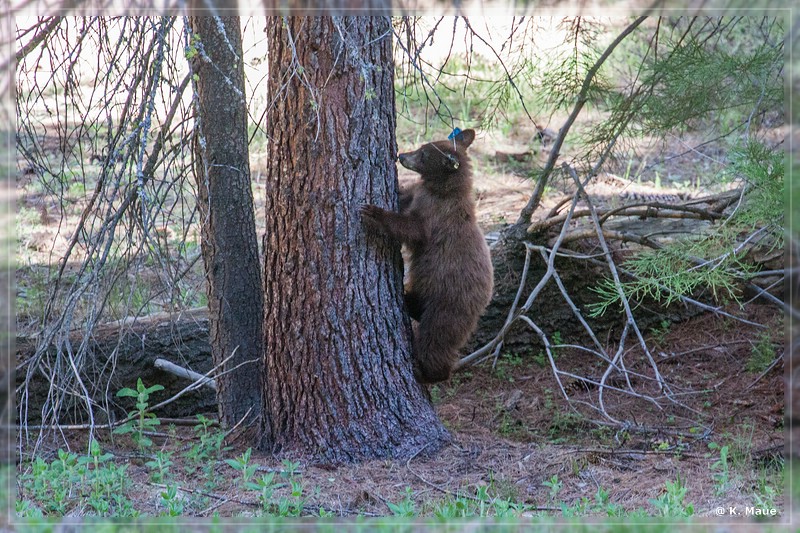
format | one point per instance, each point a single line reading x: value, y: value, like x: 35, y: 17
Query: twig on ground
x: 217, y: 505
x: 239, y: 423
x: 772, y: 365
x: 207, y: 494
x: 430, y: 484
x: 630, y: 451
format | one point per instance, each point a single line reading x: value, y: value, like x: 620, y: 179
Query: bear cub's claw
x: 371, y: 215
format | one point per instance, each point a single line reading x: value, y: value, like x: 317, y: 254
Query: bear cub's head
x: 440, y: 159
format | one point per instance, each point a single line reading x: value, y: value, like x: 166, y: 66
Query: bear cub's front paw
x: 372, y: 215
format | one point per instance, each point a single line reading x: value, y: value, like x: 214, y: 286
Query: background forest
x: 629, y: 178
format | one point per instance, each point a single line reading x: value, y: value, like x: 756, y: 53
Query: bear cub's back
x: 451, y: 268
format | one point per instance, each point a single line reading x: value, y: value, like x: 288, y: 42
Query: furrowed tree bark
x: 338, y: 382
x: 225, y: 199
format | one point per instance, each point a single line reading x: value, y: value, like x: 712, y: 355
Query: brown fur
x: 450, y: 273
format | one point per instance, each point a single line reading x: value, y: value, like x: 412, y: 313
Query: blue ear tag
x: 456, y: 132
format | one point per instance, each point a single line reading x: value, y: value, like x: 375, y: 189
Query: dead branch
x: 201, y: 381
x: 45, y: 27
x: 772, y: 365
x: 641, y: 210
x: 614, y: 235
x: 617, y: 283
x: 172, y: 368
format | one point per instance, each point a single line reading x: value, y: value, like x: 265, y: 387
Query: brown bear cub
x: 450, y: 272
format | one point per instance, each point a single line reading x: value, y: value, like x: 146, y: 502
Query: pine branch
x: 533, y: 203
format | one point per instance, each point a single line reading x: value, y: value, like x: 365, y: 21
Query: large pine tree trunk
x: 225, y: 199
x: 338, y: 382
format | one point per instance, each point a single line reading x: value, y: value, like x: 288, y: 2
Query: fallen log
x: 133, y: 345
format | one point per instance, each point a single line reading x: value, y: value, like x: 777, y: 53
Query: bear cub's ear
x: 465, y: 138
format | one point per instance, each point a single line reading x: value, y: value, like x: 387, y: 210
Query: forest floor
x: 515, y: 438
x: 516, y: 444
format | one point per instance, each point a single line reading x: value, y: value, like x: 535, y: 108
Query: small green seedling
x: 141, y: 420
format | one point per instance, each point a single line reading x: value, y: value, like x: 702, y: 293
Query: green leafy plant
x: 720, y: 467
x: 108, y: 483
x: 563, y: 423
x: 741, y: 446
x: 159, y: 466
x: 405, y: 507
x: 290, y: 468
x: 769, y: 487
x: 555, y: 340
x: 242, y: 464
x: 292, y: 506
x: 265, y: 486
x: 170, y: 500
x: 454, y: 507
x: 48, y: 484
x: 93, y: 483
x: 209, y: 447
x: 660, y: 332
x: 297, y: 503
x: 141, y: 420
x: 507, y: 366
x: 26, y: 509
x: 483, y: 503
x: 672, y: 502
x: 762, y: 354
x: 540, y: 359
x: 555, y: 487
x: 601, y: 503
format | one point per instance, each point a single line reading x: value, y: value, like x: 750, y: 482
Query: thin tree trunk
x: 229, y: 244
x: 338, y: 380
